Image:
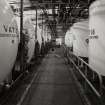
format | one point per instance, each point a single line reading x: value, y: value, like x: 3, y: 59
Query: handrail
x: 89, y: 66
x: 70, y: 56
x: 83, y: 61
x: 93, y: 88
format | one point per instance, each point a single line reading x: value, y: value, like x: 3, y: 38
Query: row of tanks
x: 86, y: 37
x: 76, y: 39
x: 11, y: 43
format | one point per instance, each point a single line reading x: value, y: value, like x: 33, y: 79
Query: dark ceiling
x: 66, y: 8
x: 69, y: 11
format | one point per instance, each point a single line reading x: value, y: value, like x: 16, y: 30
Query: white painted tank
x: 30, y: 31
x: 17, y: 18
x: 97, y: 36
x: 8, y: 40
x: 69, y: 39
x: 39, y: 35
x: 49, y: 37
x: 80, y: 32
x: 44, y: 34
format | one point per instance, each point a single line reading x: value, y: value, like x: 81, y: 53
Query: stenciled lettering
x: 10, y: 29
x: 93, y: 37
x: 5, y: 28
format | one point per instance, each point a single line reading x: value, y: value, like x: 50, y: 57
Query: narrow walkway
x: 54, y: 84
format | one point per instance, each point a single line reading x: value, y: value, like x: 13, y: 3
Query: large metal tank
x: 80, y: 32
x: 39, y: 35
x: 30, y: 32
x: 97, y: 36
x: 69, y: 39
x: 49, y: 36
x: 44, y: 33
x: 9, y: 40
x: 17, y: 18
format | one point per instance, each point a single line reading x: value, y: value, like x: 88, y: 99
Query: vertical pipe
x: 36, y: 23
x: 54, y: 20
x: 42, y: 25
x: 100, y: 84
x: 86, y: 75
x: 36, y: 41
x: 21, y: 35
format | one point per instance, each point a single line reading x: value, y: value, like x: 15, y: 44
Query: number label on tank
x: 93, y: 34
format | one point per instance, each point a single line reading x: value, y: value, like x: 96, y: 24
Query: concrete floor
x: 54, y: 84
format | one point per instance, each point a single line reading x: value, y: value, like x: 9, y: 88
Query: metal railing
x: 87, y: 77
